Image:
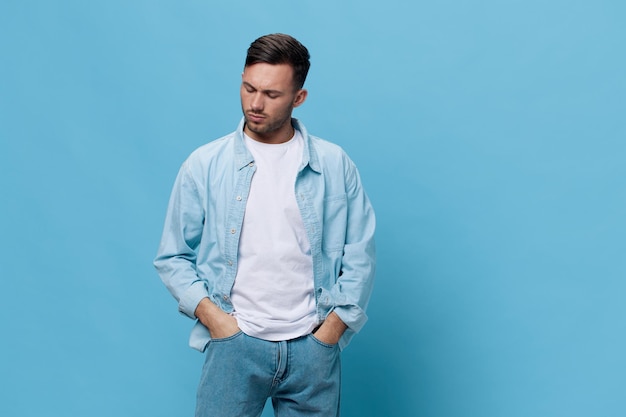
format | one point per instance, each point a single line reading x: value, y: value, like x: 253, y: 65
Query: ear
x: 301, y: 96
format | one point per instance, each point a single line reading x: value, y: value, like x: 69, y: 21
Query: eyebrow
x: 247, y: 84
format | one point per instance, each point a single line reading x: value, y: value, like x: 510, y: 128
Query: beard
x: 268, y: 124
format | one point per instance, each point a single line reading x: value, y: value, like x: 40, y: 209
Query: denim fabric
x: 197, y: 256
x: 302, y: 376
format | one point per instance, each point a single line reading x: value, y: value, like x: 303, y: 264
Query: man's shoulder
x: 328, y: 152
x: 325, y: 147
x: 211, y: 150
x: 317, y: 143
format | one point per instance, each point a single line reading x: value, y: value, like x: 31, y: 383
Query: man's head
x: 279, y: 48
x: 271, y: 86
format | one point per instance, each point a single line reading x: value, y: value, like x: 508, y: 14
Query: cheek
x: 283, y: 107
x: 246, y: 101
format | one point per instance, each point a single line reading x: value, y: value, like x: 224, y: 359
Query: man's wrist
x: 206, y: 311
x: 331, y: 329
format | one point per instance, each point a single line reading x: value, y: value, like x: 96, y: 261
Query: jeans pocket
x: 323, y: 344
x: 226, y: 339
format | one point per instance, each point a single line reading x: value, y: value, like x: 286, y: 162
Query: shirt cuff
x: 191, y: 298
x: 353, y: 316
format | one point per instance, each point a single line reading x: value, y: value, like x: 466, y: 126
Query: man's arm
x: 352, y: 291
x: 182, y: 233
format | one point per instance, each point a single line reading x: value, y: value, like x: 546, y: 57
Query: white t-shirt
x: 273, y: 294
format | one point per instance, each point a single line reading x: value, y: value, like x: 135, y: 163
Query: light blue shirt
x: 197, y: 256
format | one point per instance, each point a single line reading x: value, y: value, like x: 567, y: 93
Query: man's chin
x: 258, y: 128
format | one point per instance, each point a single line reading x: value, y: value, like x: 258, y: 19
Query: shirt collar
x: 244, y: 157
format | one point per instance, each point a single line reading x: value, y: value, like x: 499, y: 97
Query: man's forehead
x: 272, y: 76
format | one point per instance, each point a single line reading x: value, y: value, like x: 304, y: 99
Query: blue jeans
x: 302, y: 376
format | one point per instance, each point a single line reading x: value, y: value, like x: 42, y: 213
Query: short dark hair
x: 279, y: 48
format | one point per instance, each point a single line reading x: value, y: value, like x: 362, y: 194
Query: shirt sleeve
x: 176, y: 256
x: 352, y: 291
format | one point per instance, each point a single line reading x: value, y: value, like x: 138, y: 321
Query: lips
x: 256, y: 118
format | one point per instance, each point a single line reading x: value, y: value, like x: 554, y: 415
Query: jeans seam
x: 226, y: 339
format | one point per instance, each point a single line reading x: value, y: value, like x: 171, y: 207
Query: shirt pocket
x: 335, y: 222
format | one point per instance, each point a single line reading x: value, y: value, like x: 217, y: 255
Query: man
x: 269, y: 243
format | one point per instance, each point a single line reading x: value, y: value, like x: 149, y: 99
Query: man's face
x: 268, y: 96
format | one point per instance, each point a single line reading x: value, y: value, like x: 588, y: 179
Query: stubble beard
x: 268, y: 126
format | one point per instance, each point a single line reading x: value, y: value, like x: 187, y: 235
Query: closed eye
x: 269, y: 93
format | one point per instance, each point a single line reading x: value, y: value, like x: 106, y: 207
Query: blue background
x: 490, y: 136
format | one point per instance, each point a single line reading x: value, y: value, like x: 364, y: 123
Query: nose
x: 256, y: 104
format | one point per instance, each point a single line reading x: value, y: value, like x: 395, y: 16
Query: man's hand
x: 331, y: 330
x: 219, y: 323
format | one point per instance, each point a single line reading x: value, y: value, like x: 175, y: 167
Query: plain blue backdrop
x: 490, y: 136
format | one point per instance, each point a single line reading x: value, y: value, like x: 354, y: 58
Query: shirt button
x: 225, y: 297
x: 230, y: 263
x: 232, y: 231
x: 251, y: 164
x: 239, y: 198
